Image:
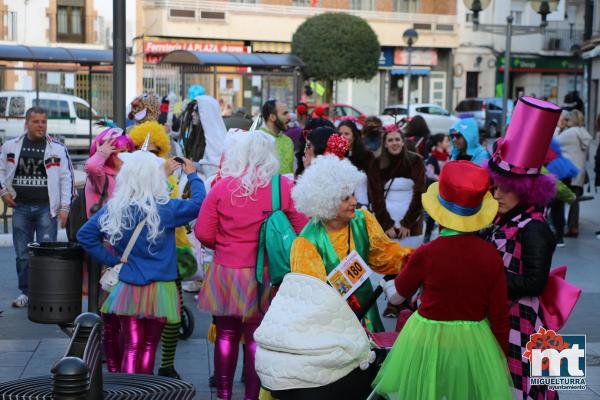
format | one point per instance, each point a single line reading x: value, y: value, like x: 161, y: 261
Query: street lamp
x: 542, y: 7
x: 410, y: 37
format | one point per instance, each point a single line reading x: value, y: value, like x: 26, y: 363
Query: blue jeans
x: 29, y: 219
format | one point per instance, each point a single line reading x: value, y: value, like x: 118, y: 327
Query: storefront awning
x: 55, y: 54
x: 271, y: 47
x: 413, y: 71
x: 232, y: 59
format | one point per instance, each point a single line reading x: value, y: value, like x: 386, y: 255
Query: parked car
x: 486, y: 111
x: 438, y: 119
x: 68, y: 117
x: 341, y: 111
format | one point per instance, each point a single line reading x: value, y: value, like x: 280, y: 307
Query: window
x: 3, y: 102
x: 56, y: 109
x: 410, y: 6
x: 352, y: 111
x: 81, y: 110
x: 394, y: 111
x: 182, y: 13
x: 365, y: 5
x: 433, y: 110
x: 517, y: 17
x: 70, y: 21
x: 16, y: 107
x: 306, y: 3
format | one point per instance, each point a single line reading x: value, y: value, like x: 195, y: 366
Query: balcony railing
x: 562, y: 39
x: 298, y: 10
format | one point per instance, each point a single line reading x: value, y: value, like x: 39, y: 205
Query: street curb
x: 6, y: 239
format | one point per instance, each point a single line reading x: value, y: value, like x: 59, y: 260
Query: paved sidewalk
x: 27, y: 358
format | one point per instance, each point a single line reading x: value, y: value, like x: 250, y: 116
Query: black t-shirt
x: 30, y: 181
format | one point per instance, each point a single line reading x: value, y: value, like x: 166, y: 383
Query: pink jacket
x: 97, y: 171
x: 230, y: 225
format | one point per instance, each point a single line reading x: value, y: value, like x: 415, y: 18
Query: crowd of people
x: 374, y: 193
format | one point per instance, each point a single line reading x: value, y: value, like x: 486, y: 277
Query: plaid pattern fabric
x: 526, y: 313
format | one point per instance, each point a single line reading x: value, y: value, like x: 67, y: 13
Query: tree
x: 336, y: 46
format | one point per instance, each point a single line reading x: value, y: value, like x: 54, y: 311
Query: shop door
x: 472, y: 83
x: 437, y: 88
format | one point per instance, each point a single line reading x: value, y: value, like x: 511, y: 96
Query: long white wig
x: 140, y: 187
x: 251, y: 158
x: 322, y: 187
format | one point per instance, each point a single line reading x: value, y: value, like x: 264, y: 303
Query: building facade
x: 81, y: 24
x: 543, y: 64
x: 267, y: 26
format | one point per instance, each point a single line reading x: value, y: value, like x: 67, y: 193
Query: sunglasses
x: 455, y: 136
x: 156, y: 152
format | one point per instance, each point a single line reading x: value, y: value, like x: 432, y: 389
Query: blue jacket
x: 468, y: 128
x: 146, y: 263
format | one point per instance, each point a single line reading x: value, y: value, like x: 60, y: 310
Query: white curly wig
x: 324, y: 184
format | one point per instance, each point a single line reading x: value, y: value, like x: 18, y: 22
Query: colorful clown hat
x: 523, y: 149
x: 460, y: 200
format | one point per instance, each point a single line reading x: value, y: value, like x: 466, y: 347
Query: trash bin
x: 55, y: 277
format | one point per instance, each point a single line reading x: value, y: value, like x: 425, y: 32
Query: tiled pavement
x: 26, y: 358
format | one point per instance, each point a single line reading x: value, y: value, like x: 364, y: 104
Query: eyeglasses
x: 455, y: 136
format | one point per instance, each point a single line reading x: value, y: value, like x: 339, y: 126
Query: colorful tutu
x: 156, y: 300
x: 453, y: 360
x: 233, y: 292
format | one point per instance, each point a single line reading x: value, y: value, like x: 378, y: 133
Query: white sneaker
x: 21, y: 302
x: 191, y: 286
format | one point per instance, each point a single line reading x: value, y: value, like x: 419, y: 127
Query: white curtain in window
x: 76, y: 21
x: 62, y: 20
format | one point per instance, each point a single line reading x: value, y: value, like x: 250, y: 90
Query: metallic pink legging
x: 227, y: 345
x: 141, y: 339
x: 112, y: 342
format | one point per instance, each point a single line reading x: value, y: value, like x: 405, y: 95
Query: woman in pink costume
x: 520, y: 232
x: 146, y: 295
x: 101, y: 168
x: 229, y: 222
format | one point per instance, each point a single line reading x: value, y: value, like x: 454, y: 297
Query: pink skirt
x: 233, y: 292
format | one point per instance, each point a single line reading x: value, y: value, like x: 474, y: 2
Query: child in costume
x: 452, y: 346
x: 102, y: 168
x: 520, y: 233
x: 160, y: 145
x: 146, y: 295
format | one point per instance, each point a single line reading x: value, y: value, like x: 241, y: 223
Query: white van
x: 68, y: 117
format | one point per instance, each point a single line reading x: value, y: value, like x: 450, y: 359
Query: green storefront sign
x: 542, y: 63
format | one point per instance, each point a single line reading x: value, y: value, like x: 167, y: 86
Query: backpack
x: 275, y: 240
x: 78, y: 212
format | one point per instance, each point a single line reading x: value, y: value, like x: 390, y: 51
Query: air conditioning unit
x: 554, y: 44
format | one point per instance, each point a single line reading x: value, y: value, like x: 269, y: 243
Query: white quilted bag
x: 309, y: 337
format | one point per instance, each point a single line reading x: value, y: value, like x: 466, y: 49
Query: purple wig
x: 533, y: 190
x: 122, y: 142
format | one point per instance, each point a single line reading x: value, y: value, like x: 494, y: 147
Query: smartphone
x: 179, y: 160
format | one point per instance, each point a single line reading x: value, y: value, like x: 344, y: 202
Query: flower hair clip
x: 337, y: 145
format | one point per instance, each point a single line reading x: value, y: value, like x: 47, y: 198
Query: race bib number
x: 349, y: 274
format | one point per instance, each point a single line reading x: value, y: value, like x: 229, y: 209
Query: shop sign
x: 386, y: 58
x: 541, y: 63
x: 418, y: 56
x: 155, y: 49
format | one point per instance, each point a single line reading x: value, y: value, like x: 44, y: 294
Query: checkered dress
x: 525, y: 314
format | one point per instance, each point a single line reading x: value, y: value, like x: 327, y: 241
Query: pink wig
x: 122, y: 142
x: 535, y: 190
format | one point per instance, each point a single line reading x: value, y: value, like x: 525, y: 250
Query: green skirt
x: 450, y: 360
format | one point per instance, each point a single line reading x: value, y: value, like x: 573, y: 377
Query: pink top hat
x: 522, y: 150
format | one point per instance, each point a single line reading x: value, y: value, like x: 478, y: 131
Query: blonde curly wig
x: 158, y: 137
x: 321, y: 188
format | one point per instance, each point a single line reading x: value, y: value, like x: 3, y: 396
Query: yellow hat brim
x: 448, y: 219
